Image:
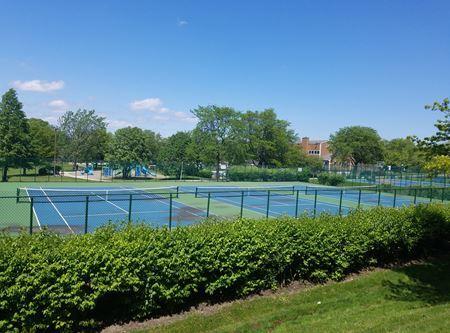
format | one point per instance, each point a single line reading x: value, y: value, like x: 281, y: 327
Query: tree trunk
x: 24, y: 171
x: 217, y: 167
x: 5, y: 174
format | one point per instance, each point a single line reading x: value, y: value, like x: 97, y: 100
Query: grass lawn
x: 415, y: 298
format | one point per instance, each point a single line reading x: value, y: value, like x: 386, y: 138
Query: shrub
x: 331, y: 179
x: 240, y: 173
x: 123, y: 272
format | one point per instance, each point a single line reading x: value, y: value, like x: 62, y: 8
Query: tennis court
x: 72, y: 210
x: 78, y: 210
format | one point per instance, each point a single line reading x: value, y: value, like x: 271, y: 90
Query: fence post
x: 296, y: 204
x: 35, y: 172
x: 395, y: 197
x: 443, y: 194
x: 315, y: 203
x: 86, y: 215
x: 379, y: 196
x: 130, y: 207
x: 242, y: 204
x: 431, y: 194
x: 268, y: 204
x: 170, y: 211
x: 31, y: 215
x: 340, y: 202
x: 415, y: 196
x: 359, y: 198
x: 208, y: 204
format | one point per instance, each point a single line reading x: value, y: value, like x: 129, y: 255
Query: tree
x: 14, y: 133
x: 269, y: 140
x: 356, y: 144
x: 83, y: 136
x: 219, y: 131
x: 439, y: 163
x: 174, y: 154
x: 402, y: 152
x: 439, y: 143
x: 42, y: 136
x: 131, y: 146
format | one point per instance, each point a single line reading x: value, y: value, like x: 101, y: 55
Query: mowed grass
x: 415, y: 298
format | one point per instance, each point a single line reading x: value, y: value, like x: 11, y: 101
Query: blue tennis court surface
x: 75, y: 210
x: 65, y: 210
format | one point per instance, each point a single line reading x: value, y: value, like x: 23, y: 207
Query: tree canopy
x: 132, y: 145
x: 83, y: 136
x: 42, y: 136
x: 402, y: 152
x: 14, y: 133
x: 356, y: 144
x: 438, y: 143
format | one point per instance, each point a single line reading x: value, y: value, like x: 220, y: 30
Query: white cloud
x: 151, y: 104
x: 38, y: 85
x: 115, y: 124
x: 58, y: 104
x: 182, y: 23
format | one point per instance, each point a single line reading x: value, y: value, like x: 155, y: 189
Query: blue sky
x: 321, y: 65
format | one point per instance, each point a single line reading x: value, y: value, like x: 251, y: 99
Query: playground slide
x: 147, y: 172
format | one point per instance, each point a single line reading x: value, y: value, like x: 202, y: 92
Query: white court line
x: 127, y: 188
x: 118, y: 214
x: 112, y: 203
x: 57, y: 210
x: 34, y: 211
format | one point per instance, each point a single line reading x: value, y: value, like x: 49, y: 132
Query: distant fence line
x: 109, y: 171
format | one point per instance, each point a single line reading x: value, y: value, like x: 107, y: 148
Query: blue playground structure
x: 139, y: 171
x: 88, y: 170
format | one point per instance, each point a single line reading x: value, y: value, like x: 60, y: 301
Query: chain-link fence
x: 83, y: 210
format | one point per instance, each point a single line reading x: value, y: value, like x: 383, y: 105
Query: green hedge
x: 239, y: 173
x: 332, y: 179
x: 67, y: 283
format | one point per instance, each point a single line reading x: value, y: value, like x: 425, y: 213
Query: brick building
x: 317, y: 148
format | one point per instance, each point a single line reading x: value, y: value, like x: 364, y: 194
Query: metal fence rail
x: 83, y: 213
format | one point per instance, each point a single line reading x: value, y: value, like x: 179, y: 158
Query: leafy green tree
x: 219, y: 132
x: 43, y: 136
x: 14, y: 133
x: 174, y: 155
x: 439, y: 143
x: 131, y: 146
x: 402, y: 152
x: 439, y: 163
x: 83, y: 136
x: 356, y: 144
x: 269, y: 140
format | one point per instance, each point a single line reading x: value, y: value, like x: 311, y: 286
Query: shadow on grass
x: 427, y: 282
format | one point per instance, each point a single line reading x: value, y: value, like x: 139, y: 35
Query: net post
x: 296, y: 203
x: 178, y: 191
x: 86, y: 215
x: 268, y: 204
x: 379, y: 197
x: 170, y: 211
x: 130, y: 206
x: 17, y: 195
x: 359, y: 198
x: 340, y: 202
x: 315, y: 203
x: 415, y: 196
x: 395, y: 197
x: 196, y: 192
x: 208, y: 204
x: 31, y: 215
x: 242, y: 204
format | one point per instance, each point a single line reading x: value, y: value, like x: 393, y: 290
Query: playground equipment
x: 89, y: 170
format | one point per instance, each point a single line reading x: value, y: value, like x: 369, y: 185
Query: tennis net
x: 228, y: 191
x: 323, y: 190
x: 45, y: 195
